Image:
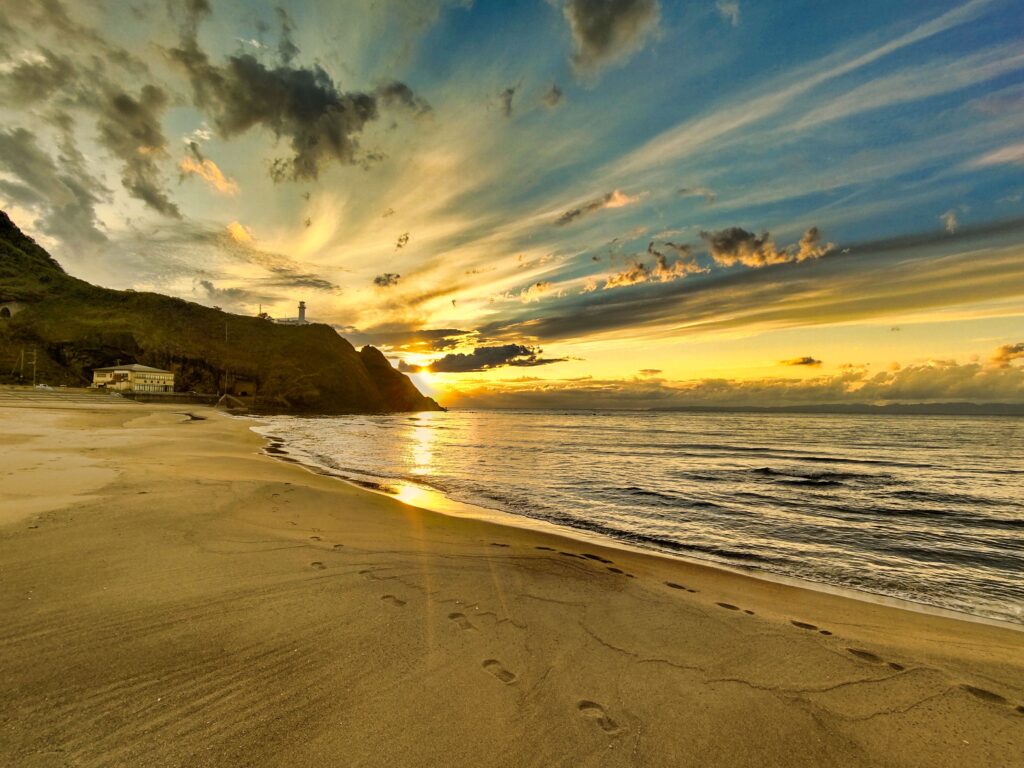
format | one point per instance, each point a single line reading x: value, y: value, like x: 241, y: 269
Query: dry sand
x: 172, y: 597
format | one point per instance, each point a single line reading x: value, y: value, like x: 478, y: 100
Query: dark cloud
x: 736, y: 245
x: 650, y: 371
x: 553, y: 96
x: 286, y: 47
x: 397, y: 94
x: 608, y: 31
x: 387, y: 280
x: 403, y: 240
x: 61, y: 190
x: 232, y: 298
x: 709, y: 195
x: 484, y: 358
x: 806, y: 360
x: 302, y: 105
x: 284, y: 277
x: 165, y: 253
x: 1007, y: 353
x: 53, y: 16
x: 506, y: 97
x: 130, y: 128
x: 37, y: 80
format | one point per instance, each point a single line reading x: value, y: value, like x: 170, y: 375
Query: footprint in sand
x: 593, y: 711
x: 314, y: 538
x: 805, y: 625
x: 616, y: 570
x: 673, y: 585
x: 461, y: 620
x: 496, y: 544
x: 981, y: 693
x: 865, y: 655
x: 338, y: 546
x: 495, y: 668
x: 598, y: 558
x: 318, y: 565
x: 395, y: 601
x: 546, y: 549
x: 728, y: 606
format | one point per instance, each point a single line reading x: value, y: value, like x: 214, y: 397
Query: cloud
x: 37, y: 77
x: 506, y: 97
x: 535, y: 291
x: 63, y: 192
x: 736, y: 245
x: 730, y: 10
x: 1012, y: 154
x: 607, y: 32
x: 945, y: 381
x: 240, y: 233
x: 303, y: 105
x: 650, y: 371
x: 1007, y: 353
x: 387, y: 280
x: 950, y: 221
x: 806, y: 360
x: 207, y: 170
x: 235, y: 298
x: 614, y: 199
x: 634, y: 273
x: 130, y: 128
x: 485, y: 358
x: 553, y: 96
x: 398, y: 94
x: 709, y: 195
x: 884, y: 279
x: 661, y: 271
x: 409, y: 340
x: 286, y: 47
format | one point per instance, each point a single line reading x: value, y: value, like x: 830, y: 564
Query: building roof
x: 133, y: 367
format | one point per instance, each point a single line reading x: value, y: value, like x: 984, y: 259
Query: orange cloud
x: 240, y: 233
x: 208, y: 171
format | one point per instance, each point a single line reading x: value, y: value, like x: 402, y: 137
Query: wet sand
x: 171, y: 596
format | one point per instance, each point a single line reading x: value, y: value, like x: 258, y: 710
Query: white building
x: 133, y: 378
x: 300, y: 320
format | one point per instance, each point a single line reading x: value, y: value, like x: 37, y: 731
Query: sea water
x: 924, y: 508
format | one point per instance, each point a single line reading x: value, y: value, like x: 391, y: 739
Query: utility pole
x: 33, y: 366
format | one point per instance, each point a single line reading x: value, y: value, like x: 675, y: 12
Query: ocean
x: 924, y: 508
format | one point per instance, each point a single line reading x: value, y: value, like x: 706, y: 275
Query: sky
x: 551, y: 203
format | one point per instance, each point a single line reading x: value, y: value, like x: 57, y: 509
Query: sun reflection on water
x: 421, y: 445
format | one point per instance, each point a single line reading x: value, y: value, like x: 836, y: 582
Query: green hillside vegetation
x: 75, y: 327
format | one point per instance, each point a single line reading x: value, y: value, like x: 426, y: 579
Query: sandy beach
x: 172, y: 596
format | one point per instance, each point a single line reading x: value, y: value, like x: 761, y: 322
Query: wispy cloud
x: 730, y: 10
x: 614, y: 199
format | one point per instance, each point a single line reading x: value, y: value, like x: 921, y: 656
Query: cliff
x: 75, y: 327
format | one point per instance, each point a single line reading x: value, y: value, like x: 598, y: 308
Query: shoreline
x: 456, y: 508
x: 205, y: 605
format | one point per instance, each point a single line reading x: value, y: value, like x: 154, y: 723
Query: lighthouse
x: 302, y: 313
